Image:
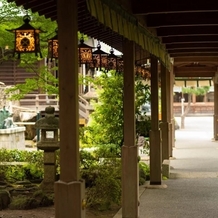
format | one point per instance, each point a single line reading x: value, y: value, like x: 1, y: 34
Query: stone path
x: 192, y: 190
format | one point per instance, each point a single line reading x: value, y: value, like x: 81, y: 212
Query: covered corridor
x: 182, y: 43
x: 192, y: 190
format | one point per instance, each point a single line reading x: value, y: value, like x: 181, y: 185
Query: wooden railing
x: 38, y: 102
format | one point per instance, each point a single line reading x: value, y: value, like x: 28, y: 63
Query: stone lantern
x: 48, y: 142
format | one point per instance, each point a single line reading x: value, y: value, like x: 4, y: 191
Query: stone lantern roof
x: 49, y: 121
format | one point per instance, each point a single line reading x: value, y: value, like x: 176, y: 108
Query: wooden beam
x: 194, y: 54
x: 143, y: 7
x: 181, y: 19
x: 195, y: 69
x: 195, y: 45
x: 189, y: 39
x: 188, y: 30
x: 196, y: 59
x: 194, y: 74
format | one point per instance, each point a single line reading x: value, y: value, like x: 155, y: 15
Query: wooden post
x: 171, y: 113
x: 216, y: 107
x: 130, y: 184
x: 69, y: 190
x: 165, y: 112
x: 155, y: 134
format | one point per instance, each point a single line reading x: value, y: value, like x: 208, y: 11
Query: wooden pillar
x: 165, y: 100
x: 130, y: 184
x: 216, y: 107
x: 171, y: 112
x: 69, y: 190
x: 155, y: 141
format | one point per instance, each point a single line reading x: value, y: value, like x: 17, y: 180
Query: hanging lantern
x: 120, y: 65
x: 144, y: 73
x: 99, y: 58
x: 138, y: 69
x: 112, y: 61
x: 53, y: 48
x: 85, y: 53
x: 26, y: 38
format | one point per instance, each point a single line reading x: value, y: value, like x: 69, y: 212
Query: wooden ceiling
x: 188, y: 29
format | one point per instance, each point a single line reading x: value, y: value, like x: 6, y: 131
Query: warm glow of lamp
x: 99, y: 58
x: 26, y: 38
x: 84, y: 52
x: 138, y: 69
x: 120, y: 64
x: 53, y: 48
x: 112, y: 61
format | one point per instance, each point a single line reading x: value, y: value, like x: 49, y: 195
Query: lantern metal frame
x: 120, y: 64
x: 112, y: 61
x: 84, y: 53
x: 53, y: 47
x: 138, y: 69
x: 99, y: 58
x: 26, y: 38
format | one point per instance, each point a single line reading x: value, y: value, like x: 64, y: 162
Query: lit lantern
x: 85, y: 53
x: 53, y: 48
x: 99, y: 58
x: 120, y: 65
x: 26, y: 38
x: 112, y: 61
x: 138, y: 69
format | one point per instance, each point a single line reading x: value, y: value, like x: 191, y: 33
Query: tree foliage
x: 10, y: 15
x: 43, y: 80
x: 202, y: 90
x: 106, y: 125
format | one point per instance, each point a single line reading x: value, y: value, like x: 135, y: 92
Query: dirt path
x: 49, y: 212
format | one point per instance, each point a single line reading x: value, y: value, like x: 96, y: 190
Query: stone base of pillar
x: 171, y: 139
x: 172, y: 131
x: 166, y: 168
x: 130, y: 184
x: 70, y: 199
x: 215, y: 127
x: 165, y: 140
x: 148, y: 186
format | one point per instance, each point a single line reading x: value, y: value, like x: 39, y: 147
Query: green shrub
x: 16, y: 155
x: 13, y: 173
x: 144, y: 172
x: 22, y: 202
x: 17, y: 172
x: 87, y: 159
x: 143, y: 127
x: 44, y: 199
x: 107, y: 151
x: 33, y: 172
x: 37, y: 199
x: 106, y: 187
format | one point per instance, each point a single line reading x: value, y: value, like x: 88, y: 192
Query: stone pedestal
x: 13, y: 138
x: 49, y: 170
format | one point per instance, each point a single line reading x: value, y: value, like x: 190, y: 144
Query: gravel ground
x: 49, y: 212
